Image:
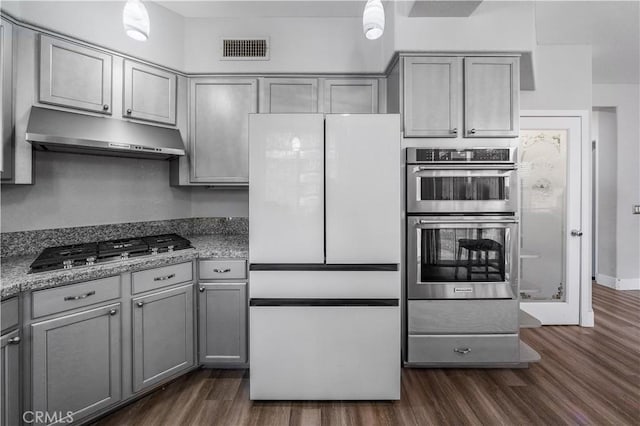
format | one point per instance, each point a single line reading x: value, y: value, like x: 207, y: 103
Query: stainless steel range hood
x: 54, y: 130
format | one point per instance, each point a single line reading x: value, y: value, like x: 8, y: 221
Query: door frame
x: 586, y: 308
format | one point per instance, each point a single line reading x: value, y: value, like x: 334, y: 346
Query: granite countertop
x: 15, y: 277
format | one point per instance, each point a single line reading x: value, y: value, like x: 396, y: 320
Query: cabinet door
x: 432, y: 87
x: 351, y: 96
x: 219, y: 131
x: 149, y: 93
x: 10, y: 379
x: 162, y: 335
x: 77, y: 362
x: 223, y: 323
x: 362, y: 196
x: 289, y: 95
x: 6, y: 87
x: 491, y: 97
x: 74, y: 76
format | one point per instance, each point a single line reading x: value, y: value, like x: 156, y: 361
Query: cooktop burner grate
x: 66, y: 257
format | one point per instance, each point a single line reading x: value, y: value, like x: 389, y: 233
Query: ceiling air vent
x: 245, y: 49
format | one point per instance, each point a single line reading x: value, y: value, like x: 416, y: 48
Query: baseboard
x: 606, y: 280
x: 628, y: 284
x: 587, y: 319
x: 618, y: 283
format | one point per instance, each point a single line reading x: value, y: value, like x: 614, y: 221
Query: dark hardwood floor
x: 586, y: 376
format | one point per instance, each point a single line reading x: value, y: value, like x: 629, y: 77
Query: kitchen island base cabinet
x: 162, y: 335
x: 75, y: 379
x: 10, y: 379
x: 223, y: 312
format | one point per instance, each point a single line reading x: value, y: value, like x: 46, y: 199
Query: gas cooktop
x: 67, y: 257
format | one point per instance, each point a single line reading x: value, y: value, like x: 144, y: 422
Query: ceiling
x: 265, y: 8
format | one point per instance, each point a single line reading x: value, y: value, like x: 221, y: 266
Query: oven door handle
x: 510, y: 166
x: 463, y: 222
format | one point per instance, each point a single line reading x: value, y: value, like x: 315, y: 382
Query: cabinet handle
x: 454, y: 131
x: 129, y: 111
x: 462, y: 351
x: 222, y: 271
x: 82, y: 296
x: 576, y: 233
x: 166, y: 277
x: 14, y: 340
x: 105, y: 107
x: 140, y: 304
x: 201, y: 289
x: 472, y: 131
x: 112, y: 312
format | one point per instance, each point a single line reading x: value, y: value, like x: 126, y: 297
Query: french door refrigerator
x: 324, y: 252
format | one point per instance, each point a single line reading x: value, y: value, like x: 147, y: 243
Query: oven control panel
x: 448, y: 155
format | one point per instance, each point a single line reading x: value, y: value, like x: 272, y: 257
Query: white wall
x: 607, y: 189
x: 78, y: 190
x: 312, y: 45
x: 626, y: 99
x: 100, y: 22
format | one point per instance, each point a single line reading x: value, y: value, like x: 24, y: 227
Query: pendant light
x: 373, y: 19
x: 136, y: 20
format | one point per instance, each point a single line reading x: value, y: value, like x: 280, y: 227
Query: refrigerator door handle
x: 286, y: 302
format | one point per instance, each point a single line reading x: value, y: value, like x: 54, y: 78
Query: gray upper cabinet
x: 223, y: 313
x: 162, y: 335
x: 10, y: 379
x: 6, y: 87
x: 149, y: 93
x: 289, y: 95
x: 350, y: 96
x: 491, y: 95
x: 219, y: 129
x: 74, y: 76
x: 432, y: 91
x: 76, y: 362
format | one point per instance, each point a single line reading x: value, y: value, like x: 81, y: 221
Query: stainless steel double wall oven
x: 462, y: 224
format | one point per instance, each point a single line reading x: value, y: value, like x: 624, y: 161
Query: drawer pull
x: 166, y: 277
x: 222, y: 271
x: 14, y: 340
x: 462, y: 351
x: 81, y: 296
x: 140, y: 304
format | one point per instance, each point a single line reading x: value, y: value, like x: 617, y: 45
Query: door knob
x: 140, y: 304
x: 105, y: 107
x: 576, y: 233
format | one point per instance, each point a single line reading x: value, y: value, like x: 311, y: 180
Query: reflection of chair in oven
x: 477, y: 248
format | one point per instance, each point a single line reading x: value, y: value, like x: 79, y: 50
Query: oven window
x: 462, y: 255
x: 478, y: 188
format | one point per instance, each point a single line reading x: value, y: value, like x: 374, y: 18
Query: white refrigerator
x: 324, y: 253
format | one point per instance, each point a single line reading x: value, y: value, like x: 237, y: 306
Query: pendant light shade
x: 136, y: 20
x: 373, y: 19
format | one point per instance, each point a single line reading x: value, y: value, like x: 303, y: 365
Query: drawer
x: 222, y: 269
x: 9, y: 316
x: 152, y: 279
x: 60, y: 299
x: 463, y: 316
x: 465, y: 349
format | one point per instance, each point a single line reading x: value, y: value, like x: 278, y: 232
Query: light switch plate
x: 636, y: 209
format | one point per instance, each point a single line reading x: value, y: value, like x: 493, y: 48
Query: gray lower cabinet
x: 289, y: 95
x: 74, y: 76
x: 10, y: 379
x: 223, y: 326
x: 76, y: 362
x: 163, y: 338
x: 149, y: 93
x: 491, y: 97
x: 350, y: 96
x: 219, y: 129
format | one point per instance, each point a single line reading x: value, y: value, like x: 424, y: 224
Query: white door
x: 286, y: 188
x: 362, y: 188
x: 554, y: 226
